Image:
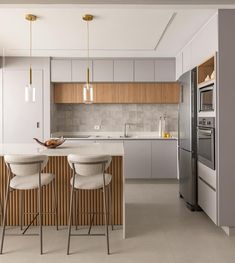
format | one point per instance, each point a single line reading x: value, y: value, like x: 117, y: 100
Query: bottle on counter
x: 160, y: 127
x: 163, y: 126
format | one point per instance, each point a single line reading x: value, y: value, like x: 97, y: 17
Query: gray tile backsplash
x: 112, y: 117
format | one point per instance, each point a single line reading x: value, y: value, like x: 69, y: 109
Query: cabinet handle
x: 38, y: 124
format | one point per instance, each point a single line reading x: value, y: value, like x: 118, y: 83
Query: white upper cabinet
x: 178, y: 65
x: 144, y: 70
x: 165, y: 69
x: 205, y: 44
x: 186, y: 57
x: 61, y: 70
x: 79, y: 70
x: 113, y: 70
x: 123, y: 70
x: 103, y: 70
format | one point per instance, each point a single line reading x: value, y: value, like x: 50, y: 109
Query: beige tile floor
x: 160, y: 229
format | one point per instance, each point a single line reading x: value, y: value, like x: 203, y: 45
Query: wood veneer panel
x: 68, y: 93
x: 86, y: 199
x: 153, y: 93
x: 106, y: 93
x: 131, y: 93
x: 170, y: 93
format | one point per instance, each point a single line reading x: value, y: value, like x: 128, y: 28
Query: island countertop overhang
x: 113, y: 149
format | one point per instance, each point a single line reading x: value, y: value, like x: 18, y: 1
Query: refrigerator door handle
x: 181, y: 93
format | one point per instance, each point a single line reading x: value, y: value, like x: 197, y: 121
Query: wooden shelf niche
x: 206, y: 69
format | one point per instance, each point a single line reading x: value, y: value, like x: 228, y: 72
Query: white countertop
x: 113, y: 149
x: 111, y: 136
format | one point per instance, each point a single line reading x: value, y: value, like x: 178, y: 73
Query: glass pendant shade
x: 30, y: 93
x: 88, y: 94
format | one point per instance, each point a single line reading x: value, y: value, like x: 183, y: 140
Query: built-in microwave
x: 206, y: 98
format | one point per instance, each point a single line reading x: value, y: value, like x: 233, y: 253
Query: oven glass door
x: 206, y: 99
x: 206, y: 147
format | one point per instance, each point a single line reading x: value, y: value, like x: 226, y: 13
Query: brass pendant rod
x: 30, y: 75
x: 88, y: 18
x: 30, y: 52
x: 30, y: 18
x: 88, y: 75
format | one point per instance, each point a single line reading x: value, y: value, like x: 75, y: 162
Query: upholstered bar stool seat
x: 91, y: 182
x: 30, y: 182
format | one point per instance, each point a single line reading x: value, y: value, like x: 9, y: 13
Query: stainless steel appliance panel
x: 206, y: 98
x: 187, y: 180
x: 206, y: 142
x: 185, y: 132
x: 187, y: 151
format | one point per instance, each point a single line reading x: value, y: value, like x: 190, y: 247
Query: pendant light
x: 88, y: 95
x: 30, y: 93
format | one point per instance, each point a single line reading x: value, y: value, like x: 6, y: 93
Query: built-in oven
x: 206, y: 141
x: 206, y: 98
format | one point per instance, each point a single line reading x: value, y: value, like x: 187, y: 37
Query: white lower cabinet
x: 164, y: 159
x: 150, y: 159
x: 207, y: 199
x: 137, y: 159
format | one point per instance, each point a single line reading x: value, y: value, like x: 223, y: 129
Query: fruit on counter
x: 51, y: 142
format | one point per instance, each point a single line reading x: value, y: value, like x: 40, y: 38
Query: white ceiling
x: 117, y: 31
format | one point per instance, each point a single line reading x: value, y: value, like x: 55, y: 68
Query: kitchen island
x: 57, y: 164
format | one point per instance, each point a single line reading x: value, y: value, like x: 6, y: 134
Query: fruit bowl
x: 51, y: 143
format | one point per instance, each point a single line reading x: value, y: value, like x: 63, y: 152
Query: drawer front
x: 207, y: 174
x: 207, y: 199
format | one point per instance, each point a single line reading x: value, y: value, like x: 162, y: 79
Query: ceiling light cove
x: 117, y: 32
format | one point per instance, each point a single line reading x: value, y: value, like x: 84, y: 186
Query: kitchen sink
x: 81, y: 136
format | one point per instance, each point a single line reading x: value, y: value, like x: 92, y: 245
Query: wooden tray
x: 58, y: 143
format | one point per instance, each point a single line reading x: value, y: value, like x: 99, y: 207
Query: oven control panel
x: 208, y: 122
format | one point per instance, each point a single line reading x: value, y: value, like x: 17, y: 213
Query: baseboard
x: 230, y: 231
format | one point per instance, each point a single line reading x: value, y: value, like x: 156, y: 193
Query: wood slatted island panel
x: 58, y: 165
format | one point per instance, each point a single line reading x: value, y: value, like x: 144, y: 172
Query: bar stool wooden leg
x: 76, y: 209
x: 5, y: 213
x: 55, y: 204
x: 40, y: 214
x: 105, y: 214
x: 1, y: 212
x: 110, y: 205
x: 70, y: 215
x: 21, y: 192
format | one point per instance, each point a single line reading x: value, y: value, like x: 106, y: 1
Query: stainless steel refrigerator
x: 187, y: 144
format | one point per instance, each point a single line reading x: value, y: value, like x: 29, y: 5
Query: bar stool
x: 1, y: 211
x: 89, y: 174
x: 24, y: 173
